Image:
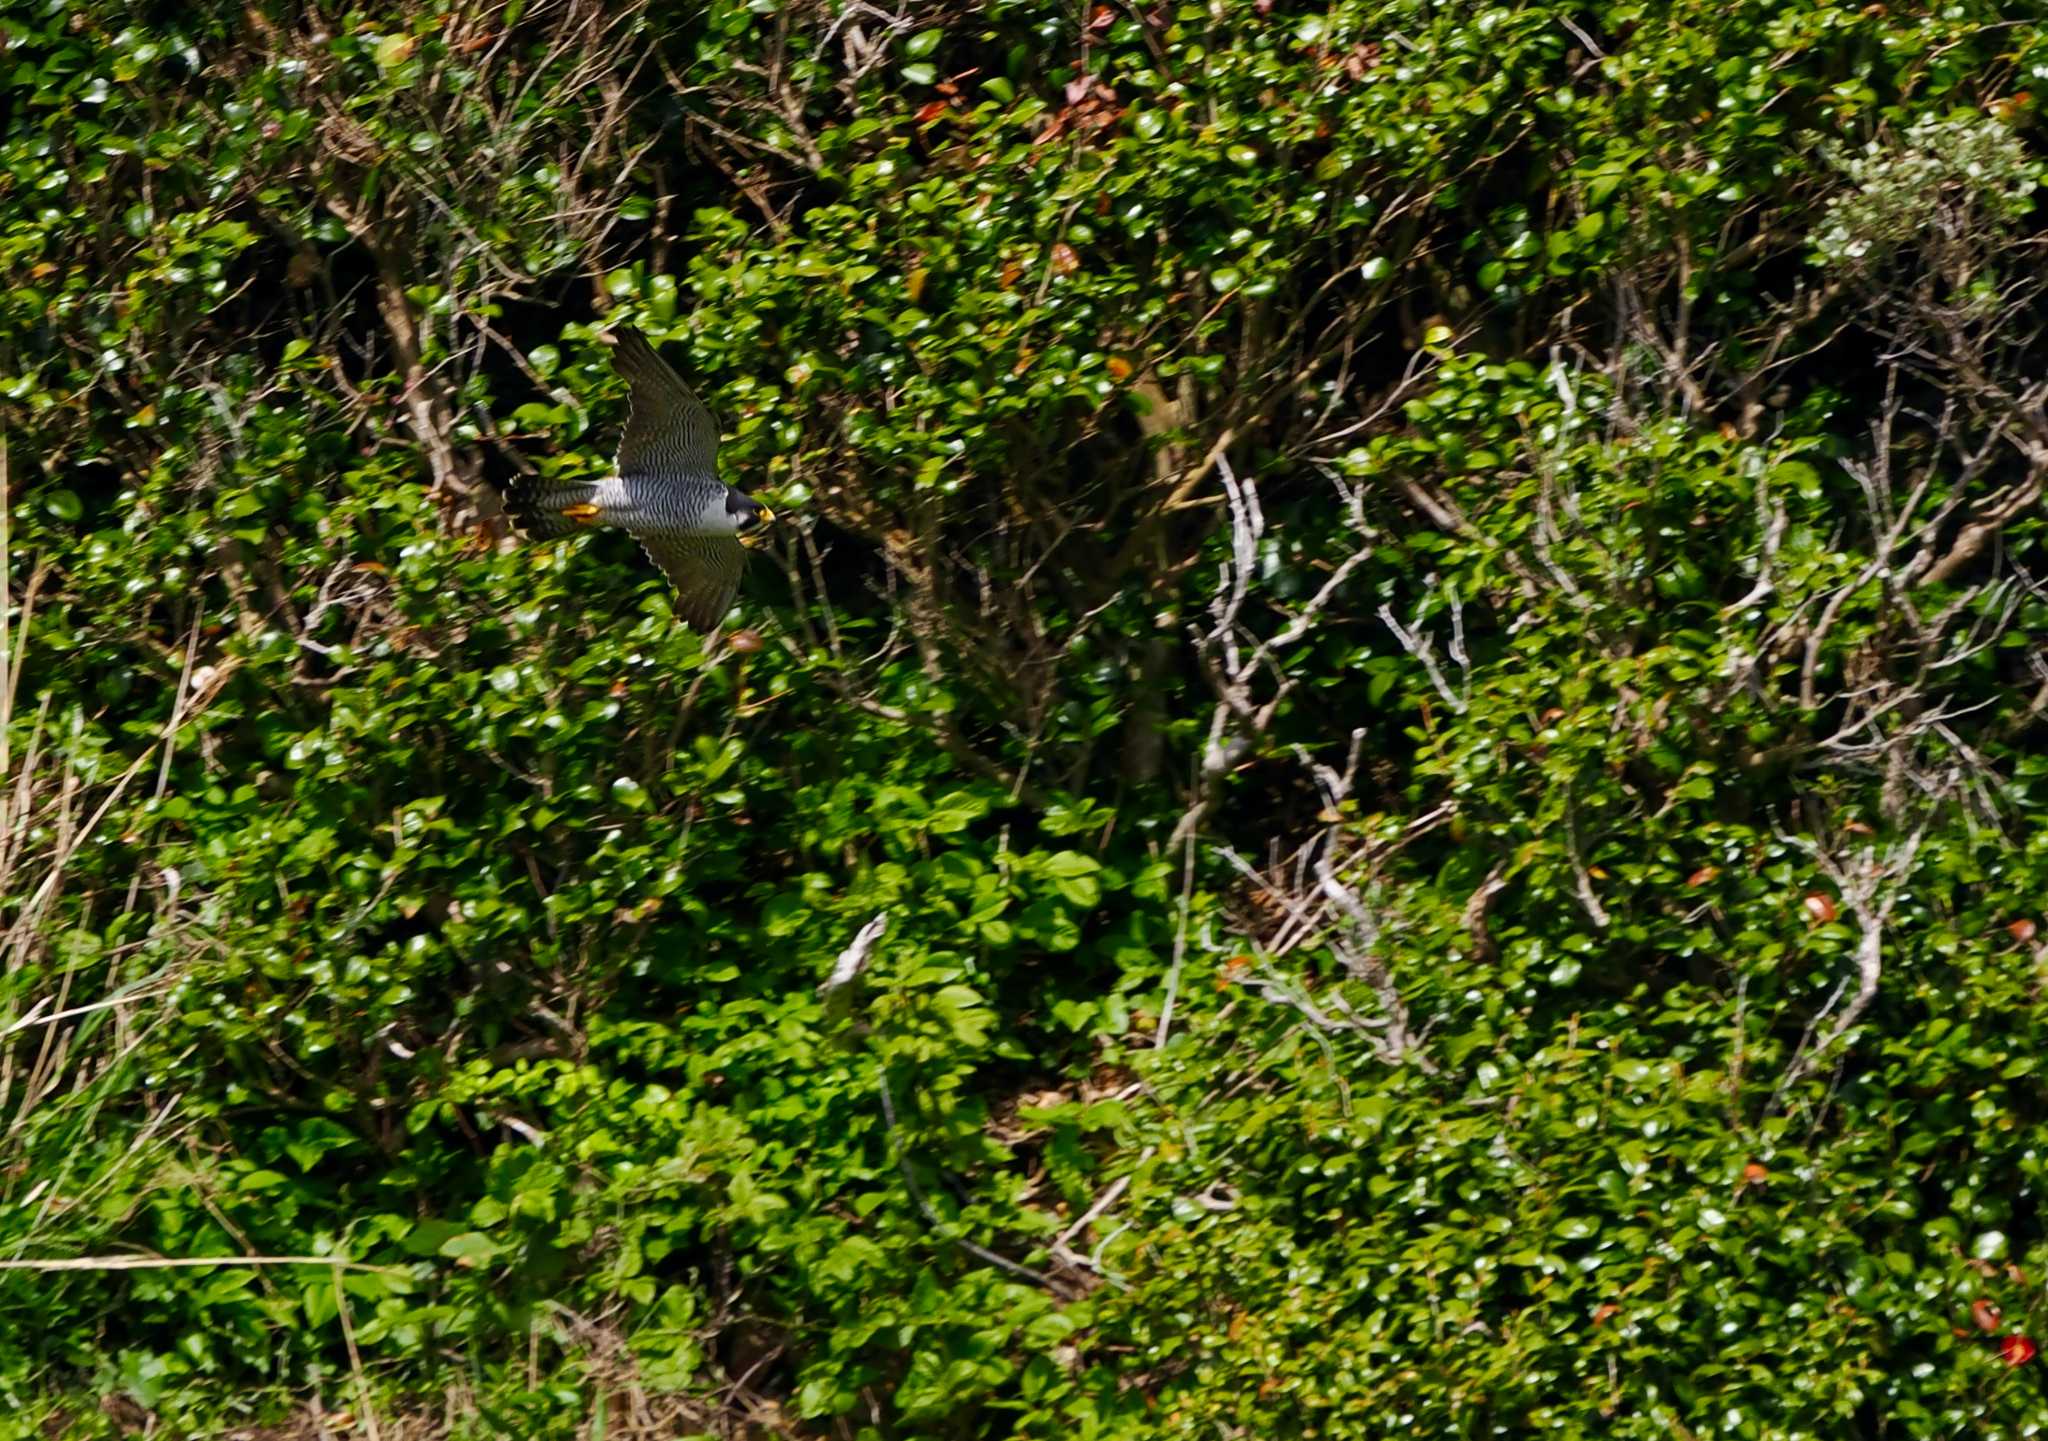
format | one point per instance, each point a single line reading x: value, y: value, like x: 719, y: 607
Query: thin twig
x: 1180, y: 944
x: 924, y: 1206
x: 165, y: 1263
x: 355, y: 1359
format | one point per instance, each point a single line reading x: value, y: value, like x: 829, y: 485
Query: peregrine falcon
x: 666, y: 493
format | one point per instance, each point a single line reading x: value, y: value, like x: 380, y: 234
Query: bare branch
x: 837, y: 989
x: 1870, y: 887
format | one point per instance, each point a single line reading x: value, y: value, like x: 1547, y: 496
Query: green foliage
x: 1971, y: 167
x: 1420, y: 617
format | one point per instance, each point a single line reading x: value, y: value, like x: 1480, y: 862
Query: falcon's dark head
x: 748, y: 513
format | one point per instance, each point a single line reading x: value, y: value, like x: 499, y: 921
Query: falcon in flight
x: 666, y: 493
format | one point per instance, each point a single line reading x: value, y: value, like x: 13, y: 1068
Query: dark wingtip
x: 634, y: 356
x: 692, y: 615
x: 630, y: 338
x: 700, y: 609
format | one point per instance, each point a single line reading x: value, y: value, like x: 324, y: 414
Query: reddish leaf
x: 1064, y: 260
x: 1361, y: 59
x: 1754, y: 1174
x: 2017, y: 1350
x: 1119, y: 368
x: 1819, y: 907
x: 2022, y: 930
x: 1705, y: 875
x: 937, y: 109
x: 1984, y: 1314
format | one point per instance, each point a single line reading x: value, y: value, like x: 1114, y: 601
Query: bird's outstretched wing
x: 669, y: 432
x: 705, y: 570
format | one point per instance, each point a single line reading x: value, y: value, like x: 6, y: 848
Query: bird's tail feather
x: 536, y: 505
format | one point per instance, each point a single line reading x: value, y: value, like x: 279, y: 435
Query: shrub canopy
x: 1422, y: 620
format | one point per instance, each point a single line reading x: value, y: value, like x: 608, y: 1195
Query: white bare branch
x: 837, y: 989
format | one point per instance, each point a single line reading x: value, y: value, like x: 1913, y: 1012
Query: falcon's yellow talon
x: 582, y: 513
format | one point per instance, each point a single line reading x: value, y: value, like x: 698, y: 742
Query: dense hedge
x: 1421, y: 618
